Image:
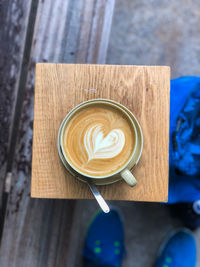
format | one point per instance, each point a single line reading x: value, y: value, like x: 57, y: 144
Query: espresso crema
x: 98, y: 140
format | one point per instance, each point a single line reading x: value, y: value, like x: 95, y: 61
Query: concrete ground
x: 146, y: 32
x: 155, y: 32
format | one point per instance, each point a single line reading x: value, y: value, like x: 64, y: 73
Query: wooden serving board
x: 143, y: 89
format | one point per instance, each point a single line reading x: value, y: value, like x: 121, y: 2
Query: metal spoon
x: 98, y: 197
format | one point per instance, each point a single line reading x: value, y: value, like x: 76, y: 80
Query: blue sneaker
x: 179, y: 250
x: 104, y: 243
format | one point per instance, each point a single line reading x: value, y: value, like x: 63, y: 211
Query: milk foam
x: 98, y: 140
x: 99, y: 146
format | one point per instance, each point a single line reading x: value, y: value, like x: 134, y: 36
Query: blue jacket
x: 184, y: 150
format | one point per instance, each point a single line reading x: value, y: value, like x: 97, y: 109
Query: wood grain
x: 36, y: 231
x: 144, y: 90
x: 13, y: 20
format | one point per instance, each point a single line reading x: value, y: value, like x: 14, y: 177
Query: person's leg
x: 179, y: 250
x: 104, y: 243
x: 189, y: 213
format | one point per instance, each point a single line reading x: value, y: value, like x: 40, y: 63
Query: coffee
x: 98, y: 140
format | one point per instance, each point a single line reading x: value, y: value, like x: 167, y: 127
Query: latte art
x: 98, y: 146
x: 98, y: 140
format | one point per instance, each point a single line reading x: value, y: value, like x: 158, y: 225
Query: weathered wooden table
x: 36, y: 232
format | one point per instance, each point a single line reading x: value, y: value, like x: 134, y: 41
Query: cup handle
x: 129, y: 178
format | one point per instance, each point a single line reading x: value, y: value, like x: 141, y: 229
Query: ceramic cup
x: 125, y: 171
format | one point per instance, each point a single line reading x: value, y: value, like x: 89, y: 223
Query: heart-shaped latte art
x: 98, y: 146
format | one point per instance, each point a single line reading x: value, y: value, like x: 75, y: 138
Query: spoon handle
x: 98, y: 197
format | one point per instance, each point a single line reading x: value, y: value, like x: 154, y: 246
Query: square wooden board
x: 143, y: 89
